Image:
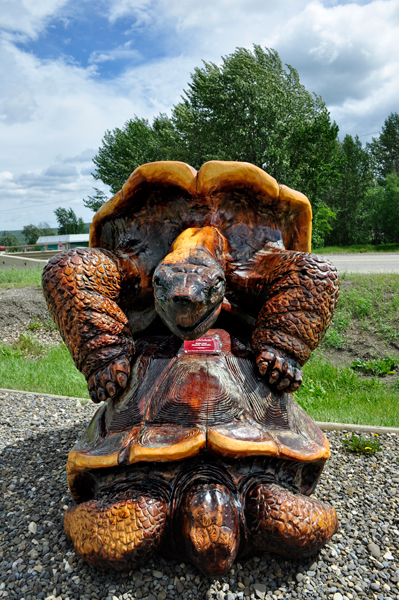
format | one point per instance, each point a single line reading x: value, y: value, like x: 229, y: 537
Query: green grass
x: 359, y: 444
x: 379, y: 367
x: 356, y: 248
x: 367, y: 302
x: 10, y: 278
x: 29, y: 365
x: 338, y: 394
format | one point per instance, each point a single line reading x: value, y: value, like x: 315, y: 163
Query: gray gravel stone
x: 36, y: 434
x: 374, y: 550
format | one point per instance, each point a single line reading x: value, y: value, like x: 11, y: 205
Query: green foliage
x: 382, y: 213
x: 29, y: 346
x: 357, y: 248
x: 96, y: 201
x: 379, y: 367
x: 9, y: 239
x: 68, y: 222
x: 32, y: 232
x: 361, y: 445
x: 250, y: 108
x: 37, y: 324
x: 347, y: 197
x: 253, y: 108
x: 138, y: 142
x: 322, y: 220
x: 385, y: 149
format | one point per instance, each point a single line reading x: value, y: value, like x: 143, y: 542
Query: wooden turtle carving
x: 199, y: 450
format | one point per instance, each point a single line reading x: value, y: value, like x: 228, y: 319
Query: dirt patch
x: 24, y: 310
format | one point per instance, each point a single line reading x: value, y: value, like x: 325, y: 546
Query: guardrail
x: 21, y: 248
x: 12, y: 261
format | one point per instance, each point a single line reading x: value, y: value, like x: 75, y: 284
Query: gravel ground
x: 37, y: 561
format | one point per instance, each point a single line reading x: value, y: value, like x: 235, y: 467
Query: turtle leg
x: 83, y: 287
x: 207, y: 529
x: 302, y: 291
x: 118, y: 531
x: 294, y: 295
x: 289, y: 524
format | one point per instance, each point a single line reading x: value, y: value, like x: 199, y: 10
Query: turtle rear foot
x: 288, y: 524
x: 118, y: 531
x: 209, y: 526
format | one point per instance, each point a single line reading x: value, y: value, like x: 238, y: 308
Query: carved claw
x: 282, y: 372
x: 108, y: 381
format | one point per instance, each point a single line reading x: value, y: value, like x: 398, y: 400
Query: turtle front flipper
x: 82, y: 288
x: 118, y: 531
x: 289, y: 524
x: 301, y: 293
x: 293, y: 296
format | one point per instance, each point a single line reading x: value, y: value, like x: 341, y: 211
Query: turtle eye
x: 218, y: 283
x: 217, y: 286
x: 157, y: 281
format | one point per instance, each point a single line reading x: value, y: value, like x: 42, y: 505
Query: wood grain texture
x: 208, y: 451
x: 119, y: 531
x: 209, y: 526
x: 288, y: 524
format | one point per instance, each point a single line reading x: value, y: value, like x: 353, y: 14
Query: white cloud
x: 28, y: 17
x: 54, y: 112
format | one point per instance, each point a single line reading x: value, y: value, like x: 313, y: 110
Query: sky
x: 70, y: 70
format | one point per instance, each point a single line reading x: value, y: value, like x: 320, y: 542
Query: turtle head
x: 189, y: 285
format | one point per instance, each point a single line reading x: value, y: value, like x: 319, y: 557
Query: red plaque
x: 204, y: 345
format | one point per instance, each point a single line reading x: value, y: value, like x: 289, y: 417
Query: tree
x: 96, y: 201
x: 347, y: 198
x: 32, y: 232
x: 138, y: 142
x: 382, y: 215
x: 9, y: 239
x: 45, y: 228
x: 322, y: 224
x: 250, y: 108
x: 385, y: 149
x: 253, y: 108
x: 68, y: 222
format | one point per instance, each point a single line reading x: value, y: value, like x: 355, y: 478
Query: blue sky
x: 70, y: 70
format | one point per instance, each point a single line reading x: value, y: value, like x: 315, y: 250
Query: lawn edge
x: 325, y: 426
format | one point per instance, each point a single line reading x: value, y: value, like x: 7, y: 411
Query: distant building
x: 63, y: 242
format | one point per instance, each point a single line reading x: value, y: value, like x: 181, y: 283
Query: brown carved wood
x: 209, y: 450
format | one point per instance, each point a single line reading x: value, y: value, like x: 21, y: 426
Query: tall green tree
x: 347, y: 197
x: 9, y: 239
x: 385, y: 149
x: 250, y: 108
x: 382, y: 211
x: 32, y: 232
x: 253, y: 108
x: 68, y: 222
x: 138, y: 142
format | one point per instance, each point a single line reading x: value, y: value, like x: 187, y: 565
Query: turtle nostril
x: 182, y: 299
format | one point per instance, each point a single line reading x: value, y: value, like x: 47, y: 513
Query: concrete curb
x: 7, y: 391
x: 324, y: 426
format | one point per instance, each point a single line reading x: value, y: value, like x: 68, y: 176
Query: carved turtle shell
x: 162, y: 199
x: 179, y: 404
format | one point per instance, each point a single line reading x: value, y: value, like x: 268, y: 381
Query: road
x: 387, y: 262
